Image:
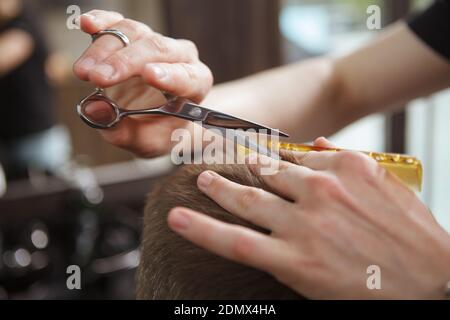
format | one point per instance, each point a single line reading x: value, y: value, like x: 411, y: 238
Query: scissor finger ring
x: 116, y: 33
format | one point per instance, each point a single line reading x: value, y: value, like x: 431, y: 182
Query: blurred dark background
x: 67, y: 197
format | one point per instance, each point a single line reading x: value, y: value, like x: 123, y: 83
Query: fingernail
x: 179, y: 220
x: 159, y: 72
x: 87, y: 63
x: 105, y: 70
x: 204, y: 180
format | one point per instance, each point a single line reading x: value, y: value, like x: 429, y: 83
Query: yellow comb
x: 407, y: 168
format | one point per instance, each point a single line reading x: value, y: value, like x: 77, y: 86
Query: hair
x: 174, y: 268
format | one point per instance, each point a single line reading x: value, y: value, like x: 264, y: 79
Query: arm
x: 320, y: 96
x: 307, y: 99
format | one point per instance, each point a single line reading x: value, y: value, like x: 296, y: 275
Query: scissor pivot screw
x: 195, y: 112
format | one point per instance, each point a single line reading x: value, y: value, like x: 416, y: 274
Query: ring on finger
x: 116, y: 33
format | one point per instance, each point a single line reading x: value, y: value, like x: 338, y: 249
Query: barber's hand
x: 151, y: 61
x: 332, y: 217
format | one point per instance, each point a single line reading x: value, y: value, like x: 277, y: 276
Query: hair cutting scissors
x: 99, y: 111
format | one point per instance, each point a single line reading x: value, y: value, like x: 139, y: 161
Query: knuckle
x: 133, y: 29
x: 130, y: 23
x: 322, y: 183
x: 120, y: 138
x: 142, y: 29
x: 186, y: 77
x: 189, y: 71
x: 190, y: 47
x: 156, y: 43
x: 279, y: 175
x: 346, y: 159
x: 285, y: 166
x: 215, y: 187
x: 78, y: 70
x: 248, y: 198
x: 300, y: 158
x: 120, y: 60
x: 281, y: 170
x: 209, y: 78
x: 241, y: 248
x: 358, y: 162
x: 197, y: 80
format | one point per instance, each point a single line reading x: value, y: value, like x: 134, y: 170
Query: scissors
x: 100, y: 112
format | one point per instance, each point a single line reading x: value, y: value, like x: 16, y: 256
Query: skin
x: 333, y: 213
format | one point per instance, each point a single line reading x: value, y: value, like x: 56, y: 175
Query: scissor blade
x: 185, y: 109
x: 241, y: 138
x: 220, y: 119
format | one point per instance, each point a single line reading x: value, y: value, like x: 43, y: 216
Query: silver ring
x: 116, y: 33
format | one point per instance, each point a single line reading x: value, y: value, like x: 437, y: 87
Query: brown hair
x: 174, y: 268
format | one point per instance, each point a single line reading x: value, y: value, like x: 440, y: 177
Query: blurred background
x: 67, y: 197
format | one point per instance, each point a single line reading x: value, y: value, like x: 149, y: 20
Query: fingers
x: 315, y: 160
x: 96, y: 20
x: 128, y: 62
x: 90, y: 62
x: 167, y: 64
x: 286, y: 180
x: 107, y: 63
x: 230, y: 241
x: 181, y: 79
x: 335, y: 162
x: 302, y: 184
x: 253, y: 204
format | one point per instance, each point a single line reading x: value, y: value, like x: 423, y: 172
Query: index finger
x: 92, y: 22
x: 230, y: 241
x: 315, y: 160
x: 97, y: 20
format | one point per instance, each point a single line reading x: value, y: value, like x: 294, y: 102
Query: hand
x: 333, y: 216
x: 151, y: 61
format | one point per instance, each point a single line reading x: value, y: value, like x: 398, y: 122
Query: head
x: 173, y: 268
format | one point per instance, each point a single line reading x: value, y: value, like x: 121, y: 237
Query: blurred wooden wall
x: 235, y: 38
